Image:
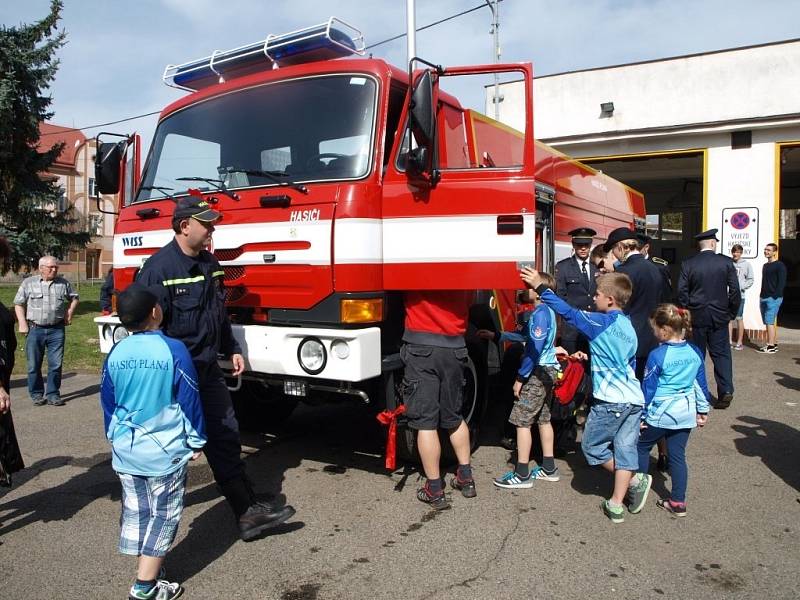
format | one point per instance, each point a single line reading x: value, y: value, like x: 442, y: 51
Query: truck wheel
x: 472, y: 411
x: 259, y: 407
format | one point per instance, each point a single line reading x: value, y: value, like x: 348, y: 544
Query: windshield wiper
x: 158, y: 188
x: 218, y: 184
x: 273, y: 176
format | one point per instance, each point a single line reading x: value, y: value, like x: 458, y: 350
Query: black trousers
x: 716, y: 341
x: 223, y: 449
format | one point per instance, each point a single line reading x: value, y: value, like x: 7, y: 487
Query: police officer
x: 192, y: 298
x: 649, y: 290
x: 709, y: 288
x: 643, y: 241
x: 575, y: 283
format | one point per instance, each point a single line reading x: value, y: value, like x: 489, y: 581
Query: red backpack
x: 569, y: 382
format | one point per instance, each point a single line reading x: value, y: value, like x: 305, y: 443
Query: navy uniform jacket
x: 193, y: 301
x: 709, y: 288
x: 649, y: 290
x: 663, y: 267
x: 575, y: 289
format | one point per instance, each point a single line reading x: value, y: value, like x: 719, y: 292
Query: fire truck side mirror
x: 422, y: 119
x: 107, y: 166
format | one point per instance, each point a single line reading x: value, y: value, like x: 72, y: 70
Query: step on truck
x: 344, y: 181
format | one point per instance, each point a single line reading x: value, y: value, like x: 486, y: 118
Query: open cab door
x: 459, y: 194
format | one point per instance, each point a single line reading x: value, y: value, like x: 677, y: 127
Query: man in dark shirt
x: 773, y: 282
x: 709, y: 287
x: 575, y: 283
x: 193, y: 302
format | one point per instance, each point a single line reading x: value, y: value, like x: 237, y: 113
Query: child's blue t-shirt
x: 612, y: 341
x: 674, y: 386
x: 151, y: 405
x: 540, y: 337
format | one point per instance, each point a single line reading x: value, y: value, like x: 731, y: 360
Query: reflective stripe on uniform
x: 218, y: 273
x: 167, y: 282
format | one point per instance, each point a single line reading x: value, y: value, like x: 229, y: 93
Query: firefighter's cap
x: 710, y: 234
x: 582, y: 235
x: 195, y: 208
x: 620, y: 234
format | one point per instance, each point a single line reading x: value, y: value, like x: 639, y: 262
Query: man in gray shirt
x: 744, y: 273
x: 44, y: 304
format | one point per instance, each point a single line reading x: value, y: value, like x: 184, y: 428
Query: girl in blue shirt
x: 675, y: 401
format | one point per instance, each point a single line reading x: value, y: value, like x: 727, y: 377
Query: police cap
x: 711, y: 234
x: 582, y: 235
x: 618, y: 235
x: 192, y: 207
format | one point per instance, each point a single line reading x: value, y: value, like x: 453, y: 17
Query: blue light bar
x: 315, y: 43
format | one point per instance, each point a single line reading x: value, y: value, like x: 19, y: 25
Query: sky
x: 116, y: 50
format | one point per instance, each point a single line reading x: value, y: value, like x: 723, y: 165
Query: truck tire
x: 259, y: 407
x: 473, y: 409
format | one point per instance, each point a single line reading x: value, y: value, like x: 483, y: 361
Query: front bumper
x: 275, y: 350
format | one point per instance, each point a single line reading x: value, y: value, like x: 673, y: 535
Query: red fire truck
x: 342, y: 182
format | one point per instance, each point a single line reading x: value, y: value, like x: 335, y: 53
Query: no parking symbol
x: 740, y: 226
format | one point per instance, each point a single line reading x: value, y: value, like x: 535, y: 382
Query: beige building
x: 74, y: 172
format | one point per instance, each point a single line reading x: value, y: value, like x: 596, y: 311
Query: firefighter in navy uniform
x: 575, y: 283
x: 192, y: 298
x: 709, y: 288
x: 649, y: 290
x: 643, y: 241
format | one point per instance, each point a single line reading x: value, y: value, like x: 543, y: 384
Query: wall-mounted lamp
x: 606, y: 109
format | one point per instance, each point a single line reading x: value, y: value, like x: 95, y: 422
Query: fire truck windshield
x: 303, y: 130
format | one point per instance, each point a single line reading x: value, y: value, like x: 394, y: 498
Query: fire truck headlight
x: 108, y: 333
x: 120, y: 333
x: 311, y: 355
x: 340, y: 349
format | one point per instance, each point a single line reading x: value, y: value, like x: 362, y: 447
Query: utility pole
x: 411, y: 30
x: 495, y: 31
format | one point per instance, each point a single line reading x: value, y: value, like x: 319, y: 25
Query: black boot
x: 253, y: 517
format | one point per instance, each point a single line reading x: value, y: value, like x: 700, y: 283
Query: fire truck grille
x: 228, y: 254
x: 233, y: 273
x: 232, y: 294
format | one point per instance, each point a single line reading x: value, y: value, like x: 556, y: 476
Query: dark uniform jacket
x: 649, y: 290
x: 663, y: 267
x: 573, y: 286
x: 193, y: 300
x: 709, y: 288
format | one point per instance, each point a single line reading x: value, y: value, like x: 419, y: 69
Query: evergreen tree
x: 29, y: 215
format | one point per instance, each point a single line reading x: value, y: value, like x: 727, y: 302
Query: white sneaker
x: 539, y: 473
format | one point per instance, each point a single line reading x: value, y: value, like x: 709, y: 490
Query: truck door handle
x: 148, y: 213
x: 510, y: 225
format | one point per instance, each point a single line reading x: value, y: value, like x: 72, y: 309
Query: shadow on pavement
x: 775, y: 443
x: 787, y: 381
x: 64, y: 501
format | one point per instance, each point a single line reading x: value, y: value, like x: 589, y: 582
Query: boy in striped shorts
x: 154, y: 422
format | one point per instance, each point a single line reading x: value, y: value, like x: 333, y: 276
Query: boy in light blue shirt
x: 154, y: 421
x: 612, y: 427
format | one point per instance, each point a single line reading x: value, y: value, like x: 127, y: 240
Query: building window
x: 665, y: 226
x: 92, y: 188
x: 63, y: 203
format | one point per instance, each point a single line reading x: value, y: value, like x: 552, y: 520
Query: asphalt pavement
x: 359, y: 531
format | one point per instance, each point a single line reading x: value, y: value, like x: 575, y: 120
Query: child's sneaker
x: 615, y: 513
x: 465, y: 486
x: 676, y: 508
x: 637, y: 493
x: 162, y: 590
x: 437, y: 500
x: 513, y: 481
x: 540, y: 473
x: 737, y: 346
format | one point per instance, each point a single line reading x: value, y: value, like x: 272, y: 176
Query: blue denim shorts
x: 612, y: 431
x: 740, y: 314
x: 769, y: 310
